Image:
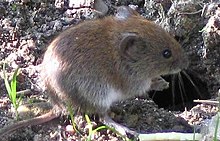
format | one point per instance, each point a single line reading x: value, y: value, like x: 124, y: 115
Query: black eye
x: 167, y: 53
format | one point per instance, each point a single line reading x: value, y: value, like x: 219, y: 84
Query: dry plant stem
x: 191, y: 13
x: 34, y: 121
x: 24, y: 92
x: 215, y: 103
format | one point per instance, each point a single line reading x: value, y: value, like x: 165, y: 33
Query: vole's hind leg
x: 124, y: 131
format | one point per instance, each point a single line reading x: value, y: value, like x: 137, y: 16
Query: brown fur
x: 89, y: 60
x: 99, y: 62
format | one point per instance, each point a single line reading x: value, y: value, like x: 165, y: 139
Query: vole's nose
x: 179, y: 64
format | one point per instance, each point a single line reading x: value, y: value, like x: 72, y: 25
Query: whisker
x: 191, y: 81
x: 182, y: 88
x: 154, y: 94
x: 173, y: 78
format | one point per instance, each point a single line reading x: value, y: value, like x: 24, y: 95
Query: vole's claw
x: 124, y: 131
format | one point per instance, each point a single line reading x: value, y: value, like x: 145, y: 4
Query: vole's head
x: 148, y: 49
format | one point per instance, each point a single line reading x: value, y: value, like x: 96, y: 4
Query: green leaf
x: 8, y: 88
x: 100, y: 128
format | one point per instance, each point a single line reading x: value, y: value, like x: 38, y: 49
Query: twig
x: 24, y: 92
x: 211, y: 102
x: 191, y: 13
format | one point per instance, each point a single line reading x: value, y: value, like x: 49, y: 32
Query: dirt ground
x: 27, y: 27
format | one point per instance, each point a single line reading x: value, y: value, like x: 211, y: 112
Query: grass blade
x: 14, y: 88
x: 8, y: 88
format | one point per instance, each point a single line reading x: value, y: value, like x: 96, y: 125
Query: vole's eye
x: 167, y: 53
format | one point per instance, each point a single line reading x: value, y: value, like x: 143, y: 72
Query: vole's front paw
x: 159, y: 84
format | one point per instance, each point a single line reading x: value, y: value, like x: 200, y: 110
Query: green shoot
x: 93, y: 131
x: 70, y: 109
x: 216, y: 128
x: 12, y: 89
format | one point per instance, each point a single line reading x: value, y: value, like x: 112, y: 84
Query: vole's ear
x: 124, y: 12
x: 132, y: 47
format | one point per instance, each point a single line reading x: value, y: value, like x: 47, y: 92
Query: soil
x: 27, y: 27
